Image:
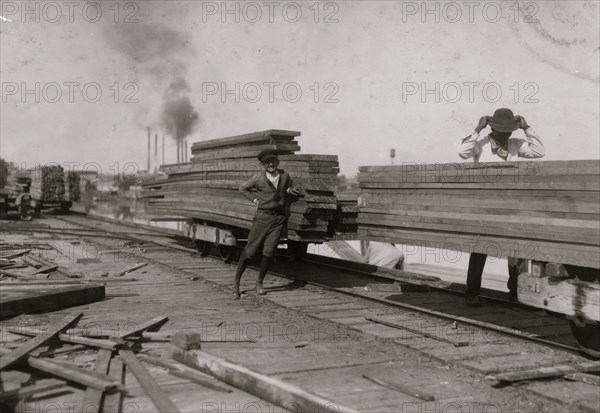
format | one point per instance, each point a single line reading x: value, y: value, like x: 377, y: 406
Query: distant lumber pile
x: 207, y: 187
x: 47, y: 183
x: 547, y: 211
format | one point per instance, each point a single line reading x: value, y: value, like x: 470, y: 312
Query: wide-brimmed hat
x: 267, y: 154
x: 504, y: 121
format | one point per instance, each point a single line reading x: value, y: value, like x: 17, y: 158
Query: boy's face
x: 501, y: 137
x: 271, y: 165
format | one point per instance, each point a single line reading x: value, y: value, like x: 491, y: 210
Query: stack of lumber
x: 345, y: 224
x: 72, y: 189
x: 207, y: 188
x: 547, y: 211
x: 47, y: 183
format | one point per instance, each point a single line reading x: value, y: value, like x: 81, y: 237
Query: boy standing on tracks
x: 503, y: 124
x: 268, y: 191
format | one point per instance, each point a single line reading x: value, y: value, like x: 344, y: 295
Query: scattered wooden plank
x: 38, y: 387
x: 92, y: 399
x: 70, y: 372
x: 584, y: 378
x: 15, y: 275
x: 22, y: 351
x: 127, y: 271
x: 401, y: 388
x: 66, y: 337
x: 160, y: 399
x: 542, y: 373
x: 45, y: 270
x: 184, y: 372
x: 113, y: 402
x: 268, y: 388
x: 50, y: 299
x: 15, y: 255
x: 155, y: 322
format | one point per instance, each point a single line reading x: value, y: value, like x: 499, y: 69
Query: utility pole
x: 392, y: 156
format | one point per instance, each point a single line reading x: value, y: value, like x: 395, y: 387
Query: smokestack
x: 178, y: 152
x: 155, y: 152
x: 163, y: 149
x: 186, y: 151
x: 149, y: 137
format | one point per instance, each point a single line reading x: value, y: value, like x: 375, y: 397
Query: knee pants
x: 266, y: 232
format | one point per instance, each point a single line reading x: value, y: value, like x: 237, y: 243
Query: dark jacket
x: 269, y: 198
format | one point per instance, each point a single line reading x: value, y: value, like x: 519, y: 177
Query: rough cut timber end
x: 186, y: 341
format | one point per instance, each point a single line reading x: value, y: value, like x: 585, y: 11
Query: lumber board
x: 243, y: 152
x: 92, y: 399
x: 70, y: 372
x: 268, y: 388
x: 542, y: 372
x: 587, y: 256
x: 23, y: 350
x: 468, y: 226
x: 247, y: 138
x: 38, y: 387
x: 150, y: 324
x: 573, y: 186
x: 67, y: 337
x: 50, y: 300
x: 160, y: 399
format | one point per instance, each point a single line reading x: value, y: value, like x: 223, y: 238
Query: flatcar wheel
x: 226, y: 252
x: 588, y: 338
x: 203, y: 247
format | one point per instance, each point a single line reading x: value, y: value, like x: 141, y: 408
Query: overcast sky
x: 349, y: 75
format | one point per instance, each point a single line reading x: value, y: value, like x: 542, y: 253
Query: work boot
x: 264, y: 267
x: 473, y: 301
x: 513, y: 297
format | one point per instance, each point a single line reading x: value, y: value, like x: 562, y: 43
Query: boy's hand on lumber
x: 294, y: 191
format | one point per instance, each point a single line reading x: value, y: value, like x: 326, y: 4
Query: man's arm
x: 531, y: 146
x: 246, y: 187
x: 472, y: 146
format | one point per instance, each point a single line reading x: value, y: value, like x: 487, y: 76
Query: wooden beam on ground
x: 66, y: 338
x: 50, y: 300
x: 185, y: 372
x: 155, y: 322
x: 160, y: 399
x: 113, y: 402
x: 40, y: 386
x: 70, y: 372
x: 542, y: 373
x: 92, y: 399
x: 22, y: 351
x: 15, y: 255
x: 268, y: 388
x: 15, y: 275
x: 401, y: 388
x: 45, y: 270
x: 418, y: 331
x: 127, y: 271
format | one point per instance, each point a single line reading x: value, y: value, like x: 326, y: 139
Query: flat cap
x: 267, y: 154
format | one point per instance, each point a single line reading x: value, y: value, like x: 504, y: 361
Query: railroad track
x: 428, y: 319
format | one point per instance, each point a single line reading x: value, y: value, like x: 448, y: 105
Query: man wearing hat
x: 268, y: 190
x: 508, y: 148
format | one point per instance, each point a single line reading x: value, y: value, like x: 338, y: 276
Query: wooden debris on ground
x: 267, y: 388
